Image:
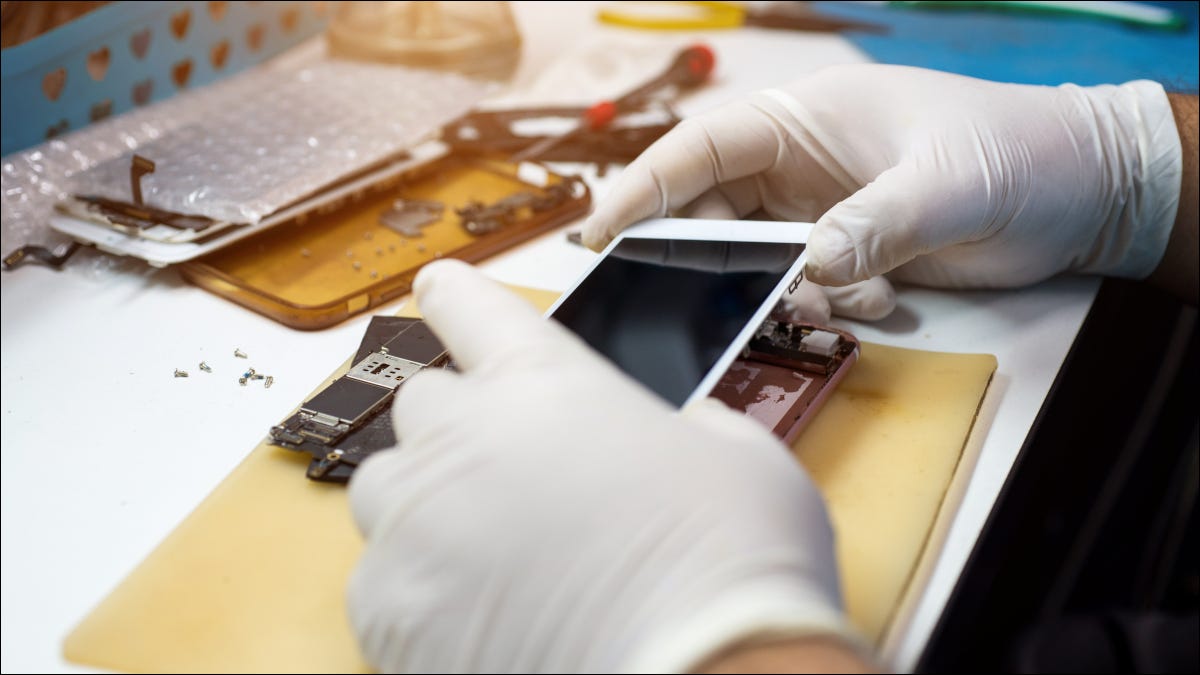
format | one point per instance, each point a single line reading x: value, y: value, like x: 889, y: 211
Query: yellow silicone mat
x: 253, y: 580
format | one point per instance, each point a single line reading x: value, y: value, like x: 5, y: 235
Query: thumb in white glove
x: 543, y: 512
x: 949, y: 180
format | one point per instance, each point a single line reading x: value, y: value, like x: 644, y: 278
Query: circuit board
x: 345, y: 422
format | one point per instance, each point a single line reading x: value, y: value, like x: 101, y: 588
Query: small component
x: 806, y: 347
x: 357, y: 265
x: 257, y: 376
x: 239, y: 353
x: 325, y: 464
x: 392, y: 248
x: 379, y: 251
x: 139, y: 166
x: 820, y: 342
x: 242, y: 381
x: 249, y: 373
x: 305, y: 252
x: 409, y: 216
x: 368, y: 236
x: 349, y: 253
x: 420, y: 248
x: 180, y: 373
x: 374, y: 274
x: 437, y: 254
x: 205, y: 367
x: 478, y: 218
x: 270, y: 381
x: 384, y: 370
x: 40, y: 254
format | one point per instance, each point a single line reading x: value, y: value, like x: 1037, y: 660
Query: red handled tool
x: 691, y: 67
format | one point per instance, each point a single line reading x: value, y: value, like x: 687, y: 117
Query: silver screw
x: 180, y: 373
x: 239, y: 353
x: 205, y: 367
x: 270, y: 381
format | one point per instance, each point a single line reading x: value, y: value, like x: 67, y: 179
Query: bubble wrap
x: 241, y: 148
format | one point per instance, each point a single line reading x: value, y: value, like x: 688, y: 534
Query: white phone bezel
x: 687, y: 229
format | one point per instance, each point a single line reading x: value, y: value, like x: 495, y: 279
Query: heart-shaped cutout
x: 97, y: 63
x: 289, y: 19
x: 57, y: 129
x: 180, y: 23
x: 139, y: 44
x: 254, y: 36
x: 180, y: 72
x: 217, y: 10
x: 219, y: 54
x: 53, y: 83
x: 142, y: 91
x: 101, y: 110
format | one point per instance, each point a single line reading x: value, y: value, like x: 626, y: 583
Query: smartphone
x: 672, y: 302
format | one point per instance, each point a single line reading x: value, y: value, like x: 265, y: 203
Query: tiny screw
x: 239, y: 353
x: 180, y: 373
x: 270, y: 381
x: 242, y: 381
x: 205, y: 367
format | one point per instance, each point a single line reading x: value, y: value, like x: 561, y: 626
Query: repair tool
x: 691, y: 67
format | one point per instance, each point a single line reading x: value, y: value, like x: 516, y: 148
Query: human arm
x: 936, y: 179
x: 800, y: 655
x: 543, y: 512
x: 1177, y: 272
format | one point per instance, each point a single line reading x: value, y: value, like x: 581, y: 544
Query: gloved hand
x: 949, y: 180
x: 543, y: 512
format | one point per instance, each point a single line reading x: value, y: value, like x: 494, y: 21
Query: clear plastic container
x: 474, y: 38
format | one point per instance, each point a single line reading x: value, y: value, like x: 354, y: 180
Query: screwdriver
x: 691, y: 67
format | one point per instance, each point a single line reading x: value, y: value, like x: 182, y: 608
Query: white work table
x: 104, y: 452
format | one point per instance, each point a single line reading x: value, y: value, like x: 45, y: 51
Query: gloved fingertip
x: 368, y: 488
x: 595, y: 234
x: 434, y: 274
x: 832, y: 255
x: 878, y: 305
x: 808, y: 304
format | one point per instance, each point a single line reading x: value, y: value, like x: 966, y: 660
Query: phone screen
x: 664, y: 310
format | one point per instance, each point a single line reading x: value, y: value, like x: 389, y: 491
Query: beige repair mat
x: 254, y: 578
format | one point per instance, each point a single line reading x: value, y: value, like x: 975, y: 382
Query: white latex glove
x: 543, y: 512
x: 949, y: 180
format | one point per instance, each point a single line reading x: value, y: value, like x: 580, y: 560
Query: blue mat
x: 1030, y: 48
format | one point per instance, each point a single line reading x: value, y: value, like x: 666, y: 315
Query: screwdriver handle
x: 691, y: 67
